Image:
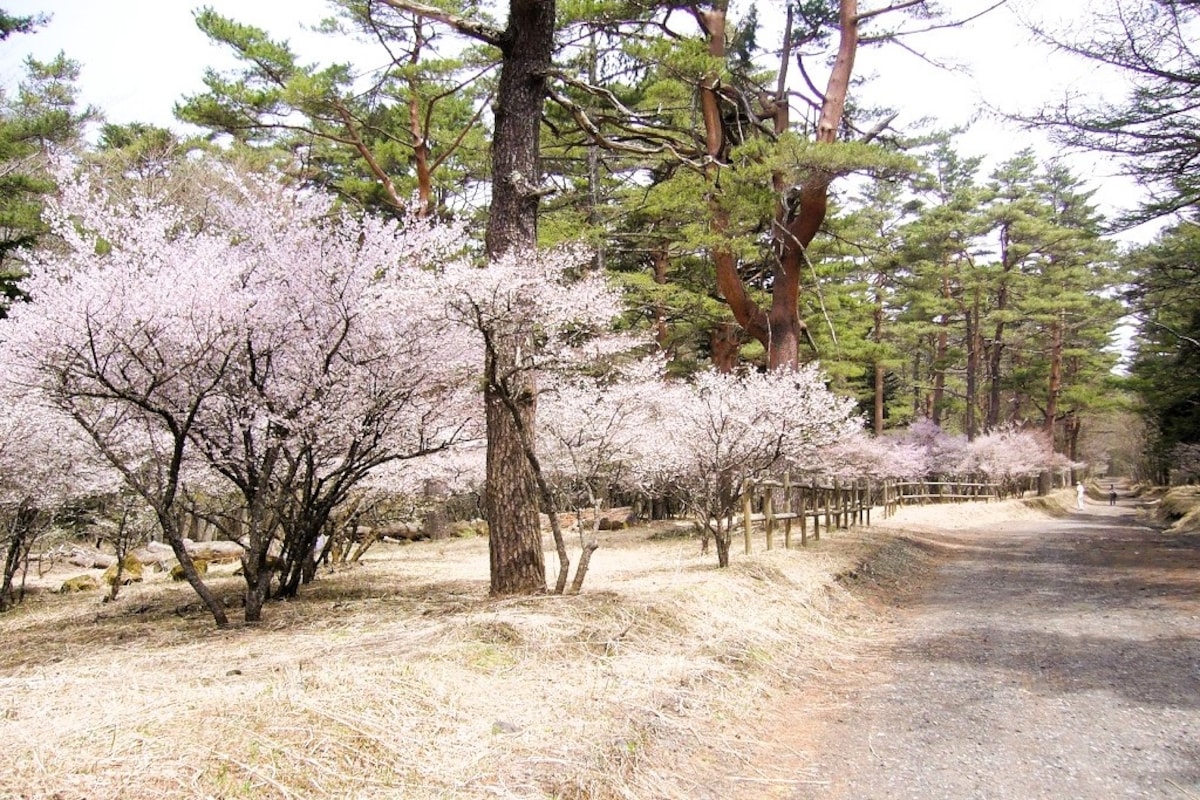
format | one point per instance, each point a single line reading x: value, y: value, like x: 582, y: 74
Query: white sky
x: 139, y: 57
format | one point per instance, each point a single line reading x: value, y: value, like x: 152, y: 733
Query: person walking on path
x: 1079, y: 495
x: 1112, y: 494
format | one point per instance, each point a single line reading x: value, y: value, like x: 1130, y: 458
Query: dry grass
x: 1180, y: 508
x: 401, y: 678
x: 959, y: 516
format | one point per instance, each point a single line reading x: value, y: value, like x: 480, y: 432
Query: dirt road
x: 1056, y: 659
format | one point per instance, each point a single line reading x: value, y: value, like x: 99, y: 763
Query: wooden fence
x: 784, y: 504
x: 904, y: 493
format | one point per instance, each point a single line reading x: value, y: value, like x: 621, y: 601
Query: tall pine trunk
x: 511, y: 499
x: 996, y: 357
x: 1053, y: 392
x: 973, y: 343
x: 878, y: 382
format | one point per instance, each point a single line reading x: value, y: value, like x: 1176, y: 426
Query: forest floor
x: 1000, y: 650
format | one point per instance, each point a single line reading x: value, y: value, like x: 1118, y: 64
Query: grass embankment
x: 402, y: 678
x: 1180, y: 509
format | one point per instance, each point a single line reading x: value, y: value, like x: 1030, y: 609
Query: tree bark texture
x: 996, y: 356
x: 972, y: 338
x: 174, y: 537
x: 878, y: 382
x: 511, y: 500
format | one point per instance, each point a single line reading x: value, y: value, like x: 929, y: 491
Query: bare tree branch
x: 468, y: 27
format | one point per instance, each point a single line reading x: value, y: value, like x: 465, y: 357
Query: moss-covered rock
x: 80, y: 583
x: 131, y: 571
x: 177, y: 570
x: 467, y: 529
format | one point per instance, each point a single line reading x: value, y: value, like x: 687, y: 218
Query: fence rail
x: 841, y: 504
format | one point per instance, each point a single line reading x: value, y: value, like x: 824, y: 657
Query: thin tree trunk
x: 662, y: 262
x: 940, y: 357
x: 996, y: 360
x: 20, y: 542
x: 972, y: 336
x: 1054, y: 388
x: 174, y: 538
x: 877, y: 338
x: 724, y: 343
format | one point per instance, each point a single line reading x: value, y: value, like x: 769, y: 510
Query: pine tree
x: 405, y: 137
x: 1166, y: 365
x: 42, y: 117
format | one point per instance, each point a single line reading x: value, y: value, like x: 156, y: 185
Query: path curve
x: 1056, y: 659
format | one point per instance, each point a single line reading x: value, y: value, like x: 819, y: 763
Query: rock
x: 131, y: 571
x: 80, y: 583
x: 89, y: 557
x: 177, y: 570
x: 401, y: 531
x: 154, y: 555
x: 216, y: 552
x: 466, y: 529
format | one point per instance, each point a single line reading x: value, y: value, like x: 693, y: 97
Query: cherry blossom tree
x: 1006, y: 456
x: 342, y: 368
x: 287, y: 347
x: 44, y: 463
x: 544, y: 297
x: 875, y: 457
x: 1009, y: 456
x: 721, y: 429
x: 944, y: 454
x: 131, y: 329
x: 590, y: 438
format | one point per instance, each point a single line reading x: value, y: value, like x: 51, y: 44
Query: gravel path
x: 1057, y: 659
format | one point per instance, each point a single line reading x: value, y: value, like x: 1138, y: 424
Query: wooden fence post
x: 802, y: 504
x: 769, y: 513
x: 789, y: 508
x: 747, y: 510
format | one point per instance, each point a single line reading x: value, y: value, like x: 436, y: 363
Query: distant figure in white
x: 1079, y: 496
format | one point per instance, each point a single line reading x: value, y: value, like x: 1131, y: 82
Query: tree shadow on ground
x: 1161, y: 671
x: 1090, y: 606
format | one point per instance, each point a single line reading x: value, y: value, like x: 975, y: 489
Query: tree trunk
x: 724, y: 343
x: 996, y: 359
x: 436, y: 522
x: 256, y: 592
x: 937, y: 400
x: 972, y: 336
x: 723, y: 538
x: 661, y: 259
x: 1072, y: 427
x: 511, y: 500
x: 174, y: 538
x: 19, y: 544
x: 1054, y: 384
x: 877, y: 338
x: 1054, y: 389
x: 779, y: 329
